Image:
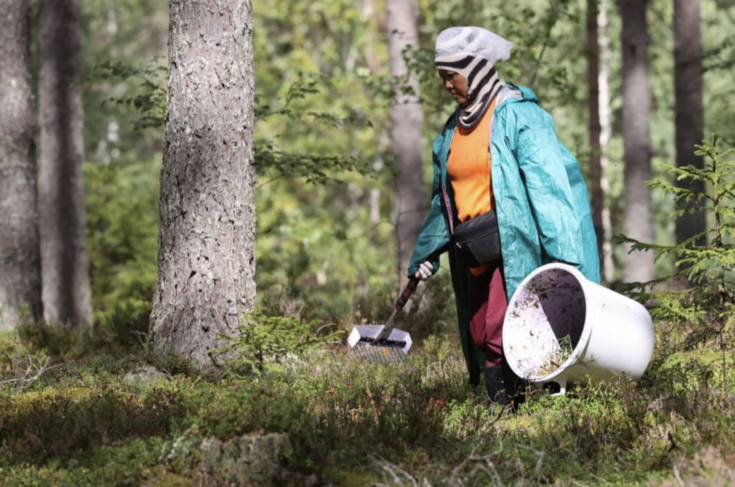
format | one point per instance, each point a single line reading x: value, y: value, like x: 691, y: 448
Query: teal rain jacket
x: 541, y: 203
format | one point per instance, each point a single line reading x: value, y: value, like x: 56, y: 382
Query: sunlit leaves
x: 708, y: 267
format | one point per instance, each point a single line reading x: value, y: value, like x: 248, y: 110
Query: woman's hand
x: 426, y: 270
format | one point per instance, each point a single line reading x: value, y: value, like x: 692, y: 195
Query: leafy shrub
x: 37, y: 426
x: 130, y: 464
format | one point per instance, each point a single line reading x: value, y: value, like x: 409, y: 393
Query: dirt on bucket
x: 545, y: 322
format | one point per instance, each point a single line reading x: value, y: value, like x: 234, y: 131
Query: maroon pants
x: 487, y: 304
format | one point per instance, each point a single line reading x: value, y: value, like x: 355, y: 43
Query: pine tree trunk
x: 636, y: 137
x: 689, y: 109
x: 595, y: 129
x: 206, y: 255
x: 20, y: 258
x: 406, y: 118
x: 64, y: 259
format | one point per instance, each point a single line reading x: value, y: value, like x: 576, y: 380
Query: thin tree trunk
x: 20, y: 258
x: 406, y: 120
x: 64, y: 259
x: 605, y: 135
x: 373, y: 63
x: 206, y: 250
x: 689, y: 109
x: 595, y: 129
x: 636, y: 137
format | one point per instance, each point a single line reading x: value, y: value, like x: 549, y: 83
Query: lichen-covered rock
x: 182, y: 452
x: 146, y: 376
x: 248, y: 459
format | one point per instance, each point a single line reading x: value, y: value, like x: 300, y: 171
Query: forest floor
x: 130, y: 417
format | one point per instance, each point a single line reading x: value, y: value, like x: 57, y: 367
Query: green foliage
x: 706, y: 260
x: 705, y: 309
x: 116, y: 333
x: 263, y: 342
x: 150, y: 103
x: 122, y: 234
x: 150, y: 99
x: 127, y: 464
x: 352, y: 421
x: 38, y: 426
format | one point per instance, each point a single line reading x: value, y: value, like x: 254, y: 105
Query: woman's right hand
x: 426, y: 270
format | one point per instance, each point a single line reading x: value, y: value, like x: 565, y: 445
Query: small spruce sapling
x: 706, y: 260
x: 262, y: 343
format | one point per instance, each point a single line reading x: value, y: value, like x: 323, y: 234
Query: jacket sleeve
x: 543, y: 171
x: 434, y: 236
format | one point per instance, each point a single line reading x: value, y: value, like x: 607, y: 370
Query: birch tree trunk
x: 595, y: 129
x: 206, y: 250
x: 689, y: 108
x: 605, y: 135
x: 20, y: 259
x: 406, y: 118
x: 636, y: 137
x: 64, y: 260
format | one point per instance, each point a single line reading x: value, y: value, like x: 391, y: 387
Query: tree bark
x: 20, y: 258
x: 64, y: 259
x: 636, y: 137
x: 595, y: 128
x: 689, y: 108
x: 206, y: 255
x: 406, y: 118
x: 605, y: 135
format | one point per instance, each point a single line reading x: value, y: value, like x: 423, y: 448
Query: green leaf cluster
x: 150, y: 98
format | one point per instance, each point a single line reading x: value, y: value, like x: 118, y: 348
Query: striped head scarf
x: 472, y: 52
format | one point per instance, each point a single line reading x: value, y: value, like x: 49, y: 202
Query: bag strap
x: 489, y: 150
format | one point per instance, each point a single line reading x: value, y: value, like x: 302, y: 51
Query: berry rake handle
x: 413, y: 283
x: 407, y: 292
x: 400, y: 303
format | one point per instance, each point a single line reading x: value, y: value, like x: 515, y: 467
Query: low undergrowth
x: 86, y: 422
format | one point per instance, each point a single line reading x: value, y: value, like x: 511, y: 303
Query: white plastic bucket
x: 562, y: 328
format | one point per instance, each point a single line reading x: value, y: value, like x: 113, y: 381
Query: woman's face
x: 455, y: 84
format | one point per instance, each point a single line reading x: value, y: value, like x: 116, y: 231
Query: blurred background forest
x: 327, y: 242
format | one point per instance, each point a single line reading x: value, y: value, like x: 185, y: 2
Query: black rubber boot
x: 495, y: 385
x: 515, y: 387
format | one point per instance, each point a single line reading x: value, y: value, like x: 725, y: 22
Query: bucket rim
x: 586, y: 327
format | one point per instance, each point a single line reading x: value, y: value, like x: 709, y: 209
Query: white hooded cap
x: 476, y: 42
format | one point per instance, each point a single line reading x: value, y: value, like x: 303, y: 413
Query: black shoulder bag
x: 478, y: 239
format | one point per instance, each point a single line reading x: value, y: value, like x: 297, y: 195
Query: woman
x: 498, y: 152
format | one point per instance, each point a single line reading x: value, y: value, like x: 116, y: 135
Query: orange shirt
x: 468, y: 169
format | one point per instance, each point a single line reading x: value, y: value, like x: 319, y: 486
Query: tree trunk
x: 595, y: 129
x: 689, y: 108
x: 636, y: 137
x: 406, y: 120
x: 605, y: 135
x: 20, y: 258
x: 206, y: 250
x: 64, y: 259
